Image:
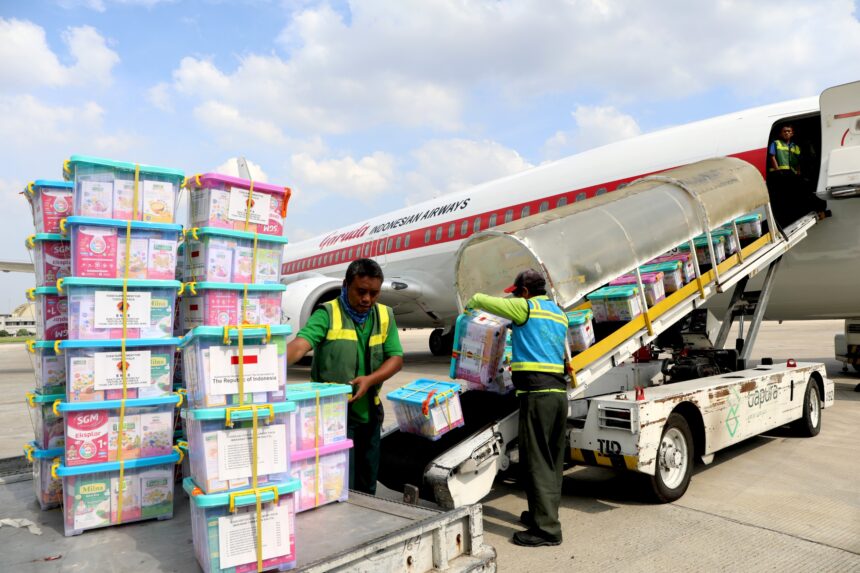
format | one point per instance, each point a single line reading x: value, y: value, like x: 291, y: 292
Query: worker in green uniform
x: 539, y: 336
x: 355, y: 342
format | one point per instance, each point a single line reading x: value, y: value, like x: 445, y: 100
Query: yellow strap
x: 259, y: 531
x: 242, y: 375
x: 242, y: 319
x: 249, y: 203
x: 134, y: 196
x: 120, y: 429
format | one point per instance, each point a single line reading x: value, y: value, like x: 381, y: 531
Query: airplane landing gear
x: 441, y: 344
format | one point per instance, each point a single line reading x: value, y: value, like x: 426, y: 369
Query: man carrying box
x: 355, y: 341
x: 537, y: 371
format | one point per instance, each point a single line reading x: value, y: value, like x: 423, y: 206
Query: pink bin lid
x: 202, y: 180
x: 679, y: 256
x: 630, y: 279
x: 332, y: 448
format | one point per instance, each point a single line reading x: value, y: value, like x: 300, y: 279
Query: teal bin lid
x: 218, y: 332
x: 37, y: 452
x: 46, y: 398
x: 416, y: 392
x: 751, y: 218
x: 143, y: 283
x: 121, y: 224
x: 702, y: 241
x: 618, y: 291
x: 117, y: 343
x: 236, y: 286
x: 46, y: 290
x: 116, y: 404
x: 136, y: 463
x: 664, y: 267
x: 578, y: 317
x: 40, y: 184
x: 82, y: 160
x: 39, y: 237
x: 310, y: 390
x: 200, y: 232
x: 43, y: 344
x: 239, y: 415
x: 223, y: 499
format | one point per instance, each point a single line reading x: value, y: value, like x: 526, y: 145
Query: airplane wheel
x: 810, y: 424
x: 674, y: 460
x: 437, y: 344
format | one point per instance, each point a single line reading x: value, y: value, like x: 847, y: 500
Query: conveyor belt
x: 405, y: 457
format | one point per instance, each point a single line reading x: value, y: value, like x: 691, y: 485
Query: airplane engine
x: 304, y: 295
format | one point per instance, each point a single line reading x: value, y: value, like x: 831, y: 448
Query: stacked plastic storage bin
x: 50, y: 201
x: 238, y: 421
x: 118, y: 403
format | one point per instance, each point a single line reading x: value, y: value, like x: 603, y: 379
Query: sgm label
x: 609, y: 447
x: 762, y: 396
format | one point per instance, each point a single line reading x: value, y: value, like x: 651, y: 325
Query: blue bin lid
x: 215, y: 232
x: 43, y: 344
x: 37, y: 452
x: 117, y: 343
x: 239, y: 415
x: 39, y: 237
x: 416, y: 392
x: 308, y: 390
x: 46, y: 398
x: 618, y: 291
x: 218, y: 332
x: 121, y: 224
x: 46, y: 290
x: 664, y: 267
x: 114, y: 404
x: 223, y: 499
x: 122, y: 165
x: 136, y: 463
x: 236, y: 286
x: 577, y: 317
x: 39, y: 184
x: 144, y: 283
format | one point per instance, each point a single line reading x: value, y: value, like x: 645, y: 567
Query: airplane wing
x: 16, y: 267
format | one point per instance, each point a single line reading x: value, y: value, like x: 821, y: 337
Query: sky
x: 362, y: 107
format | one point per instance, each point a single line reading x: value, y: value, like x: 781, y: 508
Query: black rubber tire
x: 437, y: 343
x: 809, y: 426
x: 659, y: 491
x: 856, y: 367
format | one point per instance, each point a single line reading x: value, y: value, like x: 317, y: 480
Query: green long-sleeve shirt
x: 514, y: 309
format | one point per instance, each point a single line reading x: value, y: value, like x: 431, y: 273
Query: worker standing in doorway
x: 355, y: 341
x: 537, y: 371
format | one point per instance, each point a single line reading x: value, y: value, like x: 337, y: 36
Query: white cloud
x: 27, y: 121
x: 100, y: 6
x: 27, y: 61
x: 228, y: 124
x: 159, y: 96
x: 595, y: 126
x: 362, y: 179
x: 231, y: 167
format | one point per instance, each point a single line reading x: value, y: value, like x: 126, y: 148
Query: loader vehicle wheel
x: 674, y: 460
x: 810, y: 424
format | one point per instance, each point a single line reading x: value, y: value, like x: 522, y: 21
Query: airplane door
x: 840, y: 142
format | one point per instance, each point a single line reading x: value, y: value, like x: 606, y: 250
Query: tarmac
x: 772, y: 503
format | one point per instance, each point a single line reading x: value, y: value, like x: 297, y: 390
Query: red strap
x: 425, y: 406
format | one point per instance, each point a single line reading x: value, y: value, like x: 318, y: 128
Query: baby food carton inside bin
x: 52, y: 313
x: 479, y: 348
x: 221, y: 304
x: 321, y: 413
x: 211, y: 360
x: 48, y: 489
x: 615, y: 303
x: 105, y: 189
x: 579, y: 329
x: 324, y: 473
x: 224, y: 256
x: 749, y: 226
x: 46, y: 421
x: 673, y: 273
x: 222, y: 201
x: 95, y: 308
x: 50, y: 201
x: 51, y: 257
x: 94, y: 495
x: 688, y: 272
x: 49, y: 367
x: 428, y: 408
x: 655, y: 291
x: 224, y: 528
x: 703, y: 254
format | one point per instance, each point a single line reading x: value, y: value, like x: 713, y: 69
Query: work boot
x: 533, y: 538
x: 528, y: 520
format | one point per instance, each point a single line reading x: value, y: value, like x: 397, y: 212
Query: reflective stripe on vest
x: 336, y: 331
x: 786, y: 156
x: 538, y: 345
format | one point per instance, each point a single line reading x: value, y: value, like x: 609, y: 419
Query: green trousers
x: 542, y: 440
x: 365, y: 453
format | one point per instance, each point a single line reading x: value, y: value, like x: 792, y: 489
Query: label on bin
x: 235, y: 449
x: 238, y: 207
x: 260, y: 369
x: 237, y: 535
x: 446, y: 413
x: 108, y: 369
x: 108, y: 309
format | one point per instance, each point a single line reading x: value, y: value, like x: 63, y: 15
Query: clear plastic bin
x: 688, y: 272
x: 48, y: 489
x: 729, y: 243
x: 651, y: 282
x: 321, y: 414
x: 615, y: 303
x: 51, y: 313
x: 94, y: 372
x: 95, y: 308
x: 220, y: 304
x: 92, y: 493
x: 224, y: 256
x: 92, y: 429
x: 221, y: 201
x: 324, y: 473
x: 181, y: 263
x: 428, y: 408
x: 749, y: 226
x: 48, y: 427
x: 216, y: 529
x: 49, y: 367
x: 51, y: 256
x: 479, y: 348
x: 49, y: 201
x: 221, y: 454
x: 98, y: 249
x: 580, y: 330
x: 212, y: 367
x: 104, y: 188
x: 703, y: 254
x: 673, y: 275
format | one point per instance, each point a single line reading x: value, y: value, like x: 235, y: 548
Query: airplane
x: 416, y: 245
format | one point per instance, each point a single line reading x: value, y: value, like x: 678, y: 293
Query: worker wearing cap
x: 537, y: 371
x: 355, y: 342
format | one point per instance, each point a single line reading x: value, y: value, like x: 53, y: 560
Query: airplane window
x: 562, y: 201
x: 509, y: 215
x: 544, y: 205
x: 580, y: 196
x: 622, y: 185
x: 406, y: 242
x: 477, y: 225
x: 451, y: 228
x: 526, y: 211
x: 397, y: 243
x: 427, y: 236
x: 349, y: 253
x: 492, y: 222
x: 380, y: 247
x: 602, y: 191
x: 464, y: 227
x: 367, y: 250
x: 438, y: 233
x: 388, y: 246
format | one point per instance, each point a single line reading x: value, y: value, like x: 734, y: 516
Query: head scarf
x: 358, y: 317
